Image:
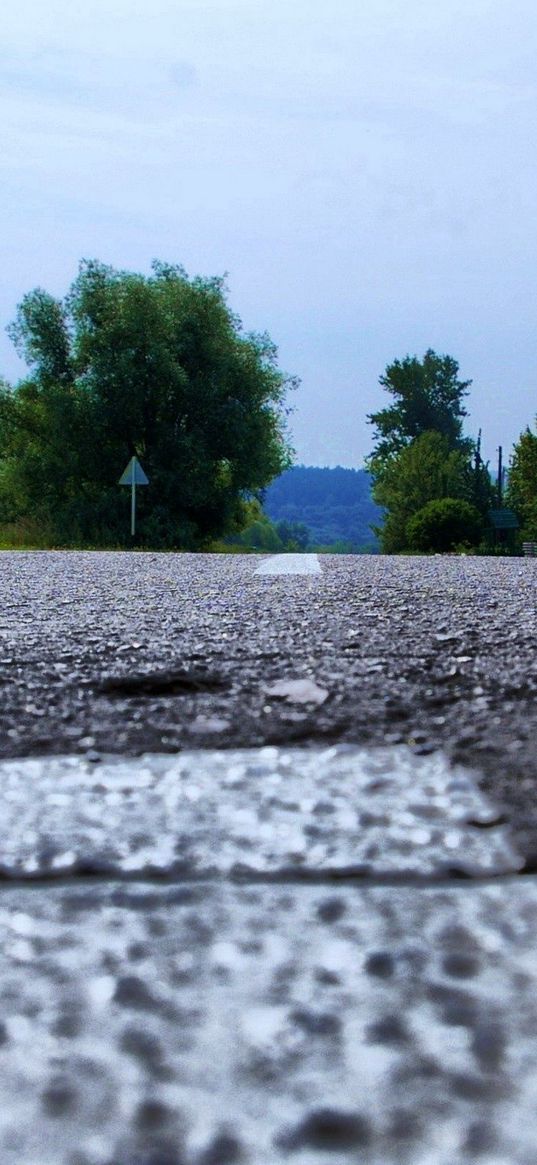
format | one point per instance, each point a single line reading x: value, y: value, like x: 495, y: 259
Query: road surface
x: 267, y: 857
x: 126, y: 653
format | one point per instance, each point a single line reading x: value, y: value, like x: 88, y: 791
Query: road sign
x: 503, y: 520
x: 133, y: 475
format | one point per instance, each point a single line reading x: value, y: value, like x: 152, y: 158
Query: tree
x: 294, y: 536
x: 522, y: 484
x: 426, y: 470
x: 155, y: 366
x: 428, y: 396
x: 421, y: 454
x: 443, y: 524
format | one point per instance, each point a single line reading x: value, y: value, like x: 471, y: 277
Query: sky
x: 364, y: 171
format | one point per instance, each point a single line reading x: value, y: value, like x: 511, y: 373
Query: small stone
x: 316, y: 1023
x: 133, y: 992
x: 152, y: 1114
x: 461, y: 966
x: 225, y: 1149
x: 389, y: 1030
x: 381, y: 964
x: 488, y: 1046
x: 298, y: 692
x: 330, y: 1130
x: 210, y: 724
x: 480, y: 1139
x: 405, y: 1125
x: 327, y: 978
x: 477, y: 1088
x: 137, y: 951
x: 142, y: 1046
x: 59, y: 1097
x: 331, y: 909
x: 67, y: 1026
x: 93, y: 757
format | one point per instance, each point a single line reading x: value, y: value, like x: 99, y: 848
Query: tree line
x: 159, y: 367
x: 334, y: 504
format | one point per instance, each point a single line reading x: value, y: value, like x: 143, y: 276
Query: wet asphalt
x: 126, y: 653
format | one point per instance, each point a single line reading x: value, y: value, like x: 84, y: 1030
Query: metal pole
x: 133, y: 506
x: 500, y: 476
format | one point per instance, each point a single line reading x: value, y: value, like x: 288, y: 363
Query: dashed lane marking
x: 290, y: 564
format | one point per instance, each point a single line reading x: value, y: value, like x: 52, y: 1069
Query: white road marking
x: 267, y: 809
x: 290, y: 564
x: 372, y: 1010
x: 310, y: 1017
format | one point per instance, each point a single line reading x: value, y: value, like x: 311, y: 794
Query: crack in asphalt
x: 89, y: 875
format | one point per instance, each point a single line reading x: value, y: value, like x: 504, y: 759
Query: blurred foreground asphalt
x: 255, y: 905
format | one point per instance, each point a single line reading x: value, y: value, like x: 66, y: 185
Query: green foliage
x: 294, y: 536
x: 421, y: 455
x: 257, y: 532
x: 339, y: 547
x: 261, y: 535
x: 425, y: 471
x: 155, y: 366
x: 522, y: 484
x: 428, y: 395
x: 444, y: 524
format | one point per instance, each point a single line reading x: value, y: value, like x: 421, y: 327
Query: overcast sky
x: 364, y: 170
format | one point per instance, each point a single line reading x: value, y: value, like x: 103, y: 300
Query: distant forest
x: 335, y: 505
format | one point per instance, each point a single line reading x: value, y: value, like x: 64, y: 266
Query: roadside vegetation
x: 159, y: 367
x: 522, y: 484
x: 426, y: 474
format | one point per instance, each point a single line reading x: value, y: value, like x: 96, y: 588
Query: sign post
x: 133, y: 475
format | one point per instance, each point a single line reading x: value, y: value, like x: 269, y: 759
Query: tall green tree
x: 421, y: 454
x: 427, y: 396
x: 155, y: 366
x: 522, y: 484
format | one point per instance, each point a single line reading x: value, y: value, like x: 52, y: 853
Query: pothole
x: 176, y: 682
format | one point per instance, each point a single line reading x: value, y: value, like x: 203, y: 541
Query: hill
x: 335, y: 505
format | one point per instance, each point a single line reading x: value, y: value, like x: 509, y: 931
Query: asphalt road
x: 133, y: 652
x: 215, y: 957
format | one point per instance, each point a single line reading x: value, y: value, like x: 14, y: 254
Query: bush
x: 443, y: 525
